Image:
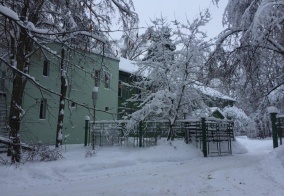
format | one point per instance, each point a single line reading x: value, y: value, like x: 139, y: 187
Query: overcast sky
x: 181, y: 9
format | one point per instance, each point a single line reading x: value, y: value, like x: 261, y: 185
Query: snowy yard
x: 176, y: 169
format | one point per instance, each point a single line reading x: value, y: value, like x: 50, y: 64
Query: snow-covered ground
x: 167, y: 169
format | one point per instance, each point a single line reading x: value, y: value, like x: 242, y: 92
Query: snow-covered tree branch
x: 172, y: 66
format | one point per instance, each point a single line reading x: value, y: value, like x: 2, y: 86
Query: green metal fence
x: 213, y: 136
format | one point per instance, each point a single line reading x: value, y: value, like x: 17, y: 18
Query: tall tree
x: 170, y: 70
x: 249, y: 53
x: 134, y: 45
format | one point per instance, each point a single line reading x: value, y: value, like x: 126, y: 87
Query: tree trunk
x: 19, y: 60
x: 14, y: 118
x: 171, y: 134
x: 63, y: 91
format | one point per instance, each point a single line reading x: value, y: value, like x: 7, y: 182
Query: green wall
x: 81, y: 67
x: 125, y: 107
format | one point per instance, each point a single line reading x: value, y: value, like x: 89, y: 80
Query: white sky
x: 180, y: 10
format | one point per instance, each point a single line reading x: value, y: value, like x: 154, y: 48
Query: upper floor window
x: 72, y: 105
x: 2, y: 81
x: 97, y: 78
x: 45, y: 67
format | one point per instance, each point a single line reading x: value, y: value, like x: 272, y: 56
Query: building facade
x: 84, y: 70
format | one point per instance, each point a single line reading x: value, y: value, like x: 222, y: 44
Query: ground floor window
x: 119, y: 89
x: 43, y: 106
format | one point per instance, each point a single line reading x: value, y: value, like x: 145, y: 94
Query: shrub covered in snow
x: 243, y: 124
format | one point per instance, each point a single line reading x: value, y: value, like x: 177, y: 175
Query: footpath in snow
x: 167, y: 169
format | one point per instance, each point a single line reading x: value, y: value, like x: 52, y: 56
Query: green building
x: 85, y: 70
x: 213, y: 99
x: 125, y: 91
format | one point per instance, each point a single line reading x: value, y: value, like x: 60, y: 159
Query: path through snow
x: 176, y: 169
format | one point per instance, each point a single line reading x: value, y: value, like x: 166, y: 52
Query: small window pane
x: 97, y: 78
x: 120, y: 89
x: 2, y: 81
x: 46, y: 68
x: 107, y: 80
x: 43, y: 105
x: 73, y: 105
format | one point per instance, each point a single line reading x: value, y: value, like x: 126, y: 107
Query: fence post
x: 203, y: 125
x: 280, y: 125
x: 279, y: 130
x: 93, y: 135
x: 140, y: 134
x: 273, y: 112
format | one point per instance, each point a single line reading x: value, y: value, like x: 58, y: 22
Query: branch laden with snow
x: 167, y: 74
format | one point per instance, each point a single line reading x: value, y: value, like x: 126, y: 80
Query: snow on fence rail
x: 213, y: 137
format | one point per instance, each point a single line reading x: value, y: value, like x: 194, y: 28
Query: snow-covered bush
x: 263, y: 124
x: 243, y: 124
x: 3, y: 161
x: 42, y: 152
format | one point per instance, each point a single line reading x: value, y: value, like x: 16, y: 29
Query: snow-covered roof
x: 213, y: 109
x: 208, y: 112
x: 212, y: 92
x: 127, y: 66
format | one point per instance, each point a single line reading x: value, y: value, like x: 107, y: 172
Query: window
x: 2, y: 81
x: 119, y: 89
x: 97, y: 78
x: 107, y: 80
x: 72, y: 105
x: 45, y: 67
x: 138, y: 92
x: 42, y: 111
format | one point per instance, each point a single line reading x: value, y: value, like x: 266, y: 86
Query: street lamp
x: 95, y: 92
